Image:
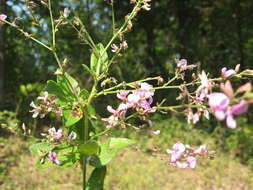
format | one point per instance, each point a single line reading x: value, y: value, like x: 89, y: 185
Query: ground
x: 132, y: 169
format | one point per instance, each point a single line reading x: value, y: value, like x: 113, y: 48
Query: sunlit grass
x: 135, y: 168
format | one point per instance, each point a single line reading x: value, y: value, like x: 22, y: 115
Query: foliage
x: 76, y: 138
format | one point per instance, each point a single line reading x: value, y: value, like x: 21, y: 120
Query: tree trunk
x: 2, y: 47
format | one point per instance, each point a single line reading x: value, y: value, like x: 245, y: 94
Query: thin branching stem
x: 26, y: 34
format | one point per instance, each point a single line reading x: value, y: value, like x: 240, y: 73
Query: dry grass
x: 131, y: 170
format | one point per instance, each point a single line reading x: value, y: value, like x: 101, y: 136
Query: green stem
x: 85, y: 139
x: 113, y: 18
x: 26, y: 34
x: 52, y: 22
x: 178, y: 107
x: 130, y: 17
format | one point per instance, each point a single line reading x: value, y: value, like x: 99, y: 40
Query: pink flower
x: 112, y: 121
x: 177, y: 152
x: 156, y: 132
x: 2, y: 17
x: 231, y: 123
x: 182, y: 165
x: 240, y: 108
x: 52, y: 156
x: 133, y: 99
x: 120, y: 111
x: 44, y: 98
x: 122, y: 95
x: 186, y: 153
x: 36, y: 111
x: 201, y: 150
x: 182, y: 63
x: 218, y: 101
x: 191, y: 161
x: 55, y: 134
x: 72, y: 135
x: 220, y: 115
x: 227, y: 73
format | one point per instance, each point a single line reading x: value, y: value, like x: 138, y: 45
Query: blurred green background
x: 210, y: 33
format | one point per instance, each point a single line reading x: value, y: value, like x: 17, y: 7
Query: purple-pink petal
x: 220, y: 114
x: 239, y: 109
x: 218, y: 101
x: 231, y: 123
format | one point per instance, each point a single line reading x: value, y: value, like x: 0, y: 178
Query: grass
x: 135, y: 168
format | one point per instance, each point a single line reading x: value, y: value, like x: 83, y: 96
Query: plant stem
x: 52, y: 22
x: 26, y: 34
x: 113, y: 17
x: 85, y: 138
x: 131, y: 16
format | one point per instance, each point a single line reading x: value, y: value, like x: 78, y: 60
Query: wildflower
x: 230, y: 121
x: 191, y: 161
x: 66, y: 12
x: 176, y: 152
x: 2, y: 18
x: 44, y: 98
x: 122, y: 95
x: 124, y: 45
x: 225, y: 73
x: 235, y: 110
x: 245, y: 88
x: 156, y: 132
x: 112, y: 121
x: 184, y: 155
x: 182, y: 63
x: 72, y: 135
x: 36, y: 111
x: 240, y: 108
x: 52, y: 156
x: 218, y: 101
x: 201, y: 150
x: 55, y: 134
x: 115, y: 48
x: 146, y: 7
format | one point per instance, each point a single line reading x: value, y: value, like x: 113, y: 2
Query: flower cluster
x: 184, y: 156
x: 220, y: 104
x: 48, y: 104
x: 140, y: 100
x: 223, y: 104
x: 55, y: 135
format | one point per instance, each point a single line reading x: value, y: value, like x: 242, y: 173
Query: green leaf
x: 84, y: 93
x: 91, y: 109
x: 23, y: 90
x: 118, y: 143
x: 70, y: 119
x: 86, y: 68
x: 109, y: 150
x: 96, y: 180
x: 66, y: 86
x: 88, y: 149
x: 105, y: 156
x: 39, y: 148
x: 53, y: 88
x: 66, y: 154
x: 73, y: 83
x: 99, y: 63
